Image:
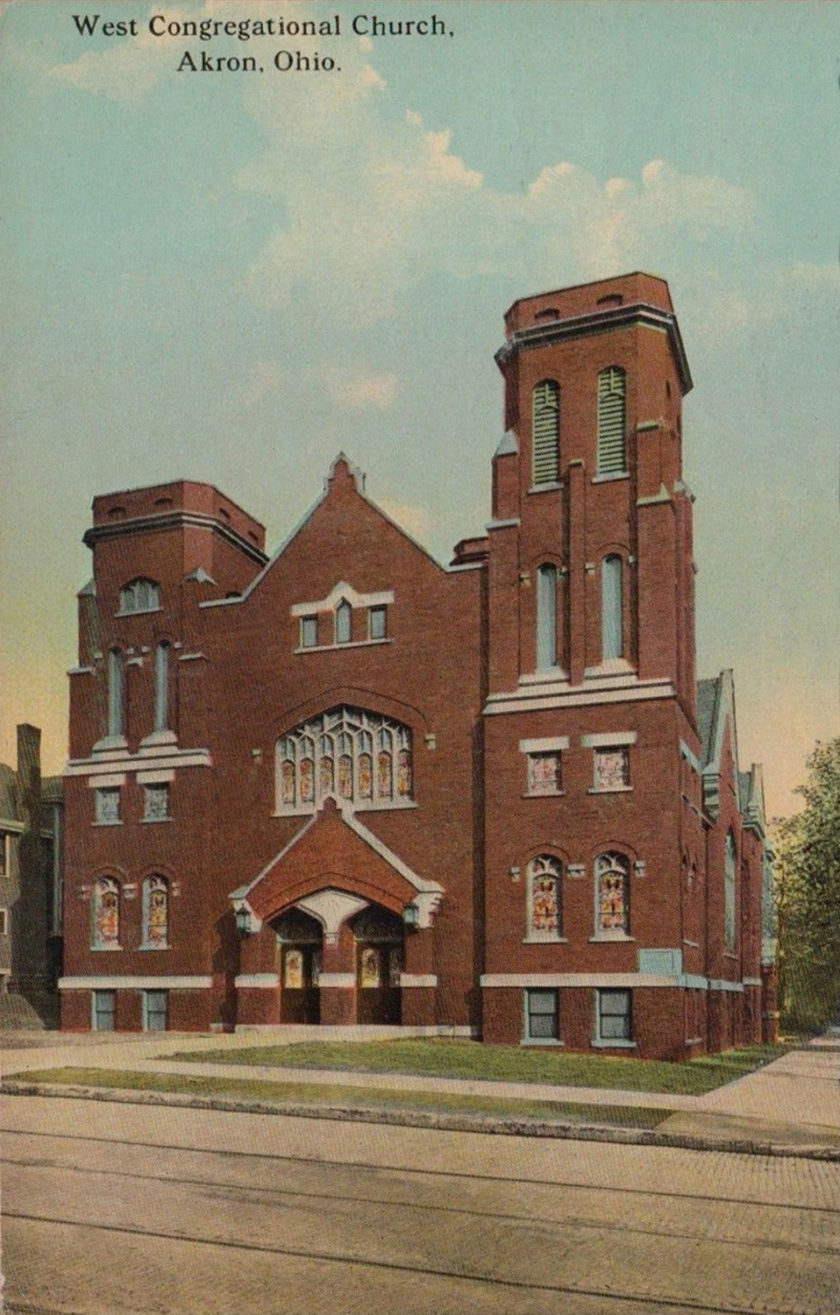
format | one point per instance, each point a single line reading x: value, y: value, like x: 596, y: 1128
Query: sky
x: 232, y: 276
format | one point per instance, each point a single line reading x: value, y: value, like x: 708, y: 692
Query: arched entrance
x: 299, y: 940
x: 379, y: 961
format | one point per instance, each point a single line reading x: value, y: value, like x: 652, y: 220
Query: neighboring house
x: 31, y: 810
x: 351, y: 785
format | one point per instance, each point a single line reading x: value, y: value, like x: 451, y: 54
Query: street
x: 127, y: 1210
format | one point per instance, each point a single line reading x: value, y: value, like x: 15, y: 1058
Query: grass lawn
x: 300, y: 1093
x: 441, y: 1057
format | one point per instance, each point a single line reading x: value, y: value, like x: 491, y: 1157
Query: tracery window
x: 155, y: 913
x: 105, y: 915
x: 355, y: 755
x: 140, y: 595
x: 544, y: 899
x: 612, y: 912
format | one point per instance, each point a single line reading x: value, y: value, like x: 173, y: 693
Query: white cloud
x: 363, y: 392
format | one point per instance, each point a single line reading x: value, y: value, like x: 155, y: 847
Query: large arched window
x: 116, y: 693
x: 612, y: 645
x: 140, y: 595
x: 343, y: 619
x: 729, y: 864
x: 545, y: 432
x: 105, y: 915
x: 546, y: 617
x: 612, y: 897
x: 155, y: 913
x: 544, y: 909
x: 612, y: 388
x: 349, y: 753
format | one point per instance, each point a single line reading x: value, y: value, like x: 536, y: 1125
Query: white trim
x: 503, y: 525
x: 343, y: 592
x: 751, y: 981
x: 164, y: 760
x: 80, y: 671
x: 690, y: 757
x: 155, y: 778
x: 264, y: 981
x: 615, y: 1043
x: 107, y: 782
x: 553, y: 744
x: 606, y: 740
x: 609, y: 476
x: 345, y: 981
x: 718, y: 984
x: 602, y: 980
x: 347, y: 643
x: 135, y: 983
x: 410, y: 980
x: 562, y: 695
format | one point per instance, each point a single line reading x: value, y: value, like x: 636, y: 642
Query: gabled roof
x: 716, y: 710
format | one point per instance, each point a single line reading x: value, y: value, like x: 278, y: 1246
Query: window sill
x: 150, y: 821
x: 610, y: 940
x: 541, y: 1041
x: 609, y: 475
x: 545, y: 940
x: 610, y: 789
x: 331, y: 648
x: 154, y: 947
x: 550, y: 486
x: 544, y: 794
x: 117, y: 822
x: 376, y: 807
x: 614, y: 1043
x: 106, y: 949
x: 139, y: 611
x: 695, y: 945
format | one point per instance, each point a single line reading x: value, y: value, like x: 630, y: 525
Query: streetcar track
x: 403, y: 1267
x: 356, y: 1199
x: 427, y: 1173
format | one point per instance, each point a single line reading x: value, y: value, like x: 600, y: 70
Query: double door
x: 299, y: 972
x: 378, y: 967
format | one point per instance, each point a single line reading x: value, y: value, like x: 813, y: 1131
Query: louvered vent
x: 611, y: 426
x: 545, y: 432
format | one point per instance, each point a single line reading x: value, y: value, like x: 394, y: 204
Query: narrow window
x: 546, y: 617
x: 611, y: 608
x: 543, y: 899
x: 614, y: 1016
x: 155, y: 913
x: 4, y: 853
x: 107, y: 805
x: 155, y: 803
x: 140, y: 596
x: 105, y: 926
x: 612, y: 768
x: 377, y: 623
x: 308, y: 631
x: 116, y: 695
x: 154, y: 1011
x: 612, y: 911
x: 545, y: 773
x: 545, y: 432
x: 162, y: 687
x: 612, y: 456
x: 4, y: 922
x: 102, y: 1011
x: 542, y: 1016
x: 729, y: 894
x: 343, y: 614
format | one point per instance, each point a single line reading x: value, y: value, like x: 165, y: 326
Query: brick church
x: 349, y: 785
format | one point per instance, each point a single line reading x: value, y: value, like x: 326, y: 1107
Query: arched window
x: 116, y: 693
x: 105, y: 915
x: 162, y: 687
x: 361, y: 757
x: 612, y: 387
x: 544, y: 923
x: 140, y: 595
x: 546, y: 617
x: 729, y: 863
x: 612, y: 645
x: 612, y: 897
x: 545, y: 432
x: 343, y: 614
x: 155, y: 913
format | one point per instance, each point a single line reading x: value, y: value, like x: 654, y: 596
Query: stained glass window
x: 293, y: 970
x: 369, y: 968
x: 346, y: 740
x: 106, y: 915
x: 155, y: 913
x: 155, y: 802
x: 613, y: 905
x: 612, y: 768
x: 544, y: 773
x: 107, y: 807
x: 544, y: 898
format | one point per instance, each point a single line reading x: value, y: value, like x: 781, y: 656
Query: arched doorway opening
x: 299, y: 941
x: 379, y: 962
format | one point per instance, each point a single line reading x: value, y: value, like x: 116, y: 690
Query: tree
x: 807, y: 879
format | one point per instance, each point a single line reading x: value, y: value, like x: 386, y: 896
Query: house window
x: 343, y: 615
x: 4, y: 922
x: 359, y: 756
x: 308, y: 631
x: 377, y: 622
x: 116, y: 692
x: 155, y: 913
x: 105, y: 915
x: 140, y: 596
x: 729, y: 863
x: 546, y: 617
x: 612, y: 388
x: 102, y: 1010
x: 154, y: 1011
x: 155, y: 803
x: 162, y: 687
x: 612, y: 767
x: 612, y: 887
x: 544, y: 899
x: 545, y: 773
x: 612, y: 644
x: 542, y: 1016
x: 107, y: 805
x: 614, y: 1016
x: 545, y: 432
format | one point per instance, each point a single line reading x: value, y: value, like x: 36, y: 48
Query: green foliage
x: 807, y: 876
